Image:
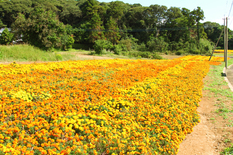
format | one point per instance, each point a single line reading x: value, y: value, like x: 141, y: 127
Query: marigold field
x: 222, y: 51
x: 100, y: 106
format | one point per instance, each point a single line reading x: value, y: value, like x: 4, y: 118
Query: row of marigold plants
x: 99, y: 106
x: 222, y: 51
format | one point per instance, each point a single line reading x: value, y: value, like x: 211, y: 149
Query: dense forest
x: 116, y: 26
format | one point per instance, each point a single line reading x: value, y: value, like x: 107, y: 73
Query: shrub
x: 142, y: 47
x: 168, y: 52
x: 129, y: 44
x: 175, y: 46
x: 205, y: 47
x: 100, y: 45
x: 194, y: 51
x: 126, y: 44
x: 157, y: 44
x: 67, y: 42
x: 117, y: 49
x: 6, y: 37
x: 179, y: 52
x: 144, y: 55
x: 58, y: 57
x: 156, y: 56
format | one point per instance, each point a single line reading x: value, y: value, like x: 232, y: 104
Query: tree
x: 173, y: 17
x: 157, y: 15
x: 198, y: 15
x: 88, y: 9
x: 96, y: 28
x: 6, y: 37
x: 213, y: 31
x: 112, y: 33
x: 41, y: 29
x: 51, y: 5
x: 10, y: 9
x: 117, y: 10
x: 137, y: 18
x: 1, y: 24
x: 69, y: 12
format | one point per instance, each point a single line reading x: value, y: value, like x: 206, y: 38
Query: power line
x: 230, y: 8
x: 229, y: 13
x: 139, y: 30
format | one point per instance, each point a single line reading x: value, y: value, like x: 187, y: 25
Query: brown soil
x: 85, y: 56
x: 171, y: 56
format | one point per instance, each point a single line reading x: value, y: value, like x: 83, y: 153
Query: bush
x: 176, y: 46
x: 194, y: 51
x: 6, y: 37
x: 82, y: 46
x: 156, y: 56
x: 168, y: 52
x: 205, y: 47
x: 129, y: 44
x: 142, y: 47
x: 100, y: 45
x: 179, y: 52
x: 117, y: 49
x: 58, y: 57
x: 67, y: 42
x: 157, y: 44
x: 144, y: 55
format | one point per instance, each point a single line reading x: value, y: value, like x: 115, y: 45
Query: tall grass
x: 26, y: 53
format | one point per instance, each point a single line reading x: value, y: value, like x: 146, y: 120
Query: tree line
x: 116, y: 26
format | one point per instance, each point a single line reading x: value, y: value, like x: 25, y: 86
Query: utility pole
x: 225, y: 41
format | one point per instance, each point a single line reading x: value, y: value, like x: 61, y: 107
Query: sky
x: 214, y: 10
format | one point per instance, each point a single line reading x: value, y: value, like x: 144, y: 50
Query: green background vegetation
x: 116, y: 27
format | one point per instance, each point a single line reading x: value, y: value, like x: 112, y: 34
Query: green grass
x: 228, y: 150
x: 223, y: 95
x: 30, y: 53
x: 216, y: 75
x: 222, y: 54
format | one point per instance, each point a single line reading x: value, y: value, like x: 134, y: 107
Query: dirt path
x: 212, y: 134
x: 86, y: 56
x: 202, y: 140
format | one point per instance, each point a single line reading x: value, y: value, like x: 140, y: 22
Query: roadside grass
x: 224, y: 102
x: 228, y: 150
